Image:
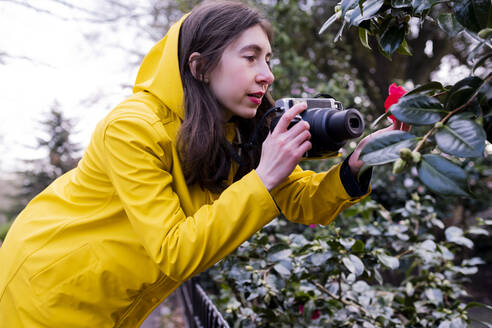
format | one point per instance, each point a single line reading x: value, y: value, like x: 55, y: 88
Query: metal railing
x: 200, y: 311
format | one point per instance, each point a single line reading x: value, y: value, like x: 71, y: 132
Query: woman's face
x: 243, y: 74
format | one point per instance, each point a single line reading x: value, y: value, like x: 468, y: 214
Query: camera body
x: 330, y: 125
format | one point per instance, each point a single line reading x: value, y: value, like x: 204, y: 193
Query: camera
x: 330, y: 125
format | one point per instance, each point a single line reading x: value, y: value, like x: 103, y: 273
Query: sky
x: 50, y: 59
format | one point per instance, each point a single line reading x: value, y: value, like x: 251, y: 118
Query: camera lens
x: 346, y: 124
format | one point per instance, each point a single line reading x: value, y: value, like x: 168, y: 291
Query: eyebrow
x: 254, y: 47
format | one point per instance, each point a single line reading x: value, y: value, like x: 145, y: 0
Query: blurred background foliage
x: 402, y: 219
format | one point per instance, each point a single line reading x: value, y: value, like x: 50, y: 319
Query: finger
x: 298, y: 128
x: 288, y: 116
x: 300, y: 138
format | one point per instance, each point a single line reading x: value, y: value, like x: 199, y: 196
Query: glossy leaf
x: 328, y: 23
x: 462, y: 138
x: 473, y: 14
x: 455, y: 235
x: 321, y: 258
x: 442, y: 176
x: 364, y: 37
x: 358, y: 247
x: 434, y: 295
x: 426, y: 88
x: 401, y: 3
x: 389, y: 261
x: 370, y: 9
x: 448, y: 23
x: 420, y: 5
x: 278, y: 256
x: 486, y: 33
x: 392, y: 37
x: 404, y: 48
x: 384, y: 147
x: 284, y: 268
x: 347, y: 5
x: 353, y: 264
x: 418, y: 109
x: 461, y: 92
x: 481, y: 61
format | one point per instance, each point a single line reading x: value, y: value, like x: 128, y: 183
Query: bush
x: 375, y: 268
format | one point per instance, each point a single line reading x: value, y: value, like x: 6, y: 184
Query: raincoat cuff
x: 263, y: 191
x: 354, y: 187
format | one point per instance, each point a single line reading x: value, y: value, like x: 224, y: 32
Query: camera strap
x: 254, y: 139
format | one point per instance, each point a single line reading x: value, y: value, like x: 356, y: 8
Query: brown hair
x: 205, y: 153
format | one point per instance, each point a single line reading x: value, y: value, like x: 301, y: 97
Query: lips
x: 255, y: 97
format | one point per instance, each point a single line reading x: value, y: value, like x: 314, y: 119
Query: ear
x: 195, y: 62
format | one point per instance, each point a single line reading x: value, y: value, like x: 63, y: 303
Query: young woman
x: 163, y: 191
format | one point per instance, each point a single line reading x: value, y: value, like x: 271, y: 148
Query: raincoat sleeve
x: 139, y: 166
x: 317, y: 198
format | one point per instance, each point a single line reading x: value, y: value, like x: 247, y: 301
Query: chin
x: 249, y: 114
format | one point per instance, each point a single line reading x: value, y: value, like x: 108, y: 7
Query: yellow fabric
x: 105, y: 243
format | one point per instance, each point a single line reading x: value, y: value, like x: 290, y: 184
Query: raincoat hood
x: 159, y: 73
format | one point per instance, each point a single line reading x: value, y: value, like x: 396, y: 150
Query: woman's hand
x: 354, y: 162
x: 283, y: 148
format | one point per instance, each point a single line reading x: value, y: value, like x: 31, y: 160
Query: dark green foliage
x: 375, y: 268
x: 393, y: 261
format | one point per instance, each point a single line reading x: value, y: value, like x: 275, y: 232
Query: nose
x: 265, y: 75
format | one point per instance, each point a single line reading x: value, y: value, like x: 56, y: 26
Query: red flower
x: 395, y: 92
x: 316, y: 313
x: 312, y: 225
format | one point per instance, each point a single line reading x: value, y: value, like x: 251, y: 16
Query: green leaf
x: 461, y: 92
x: 347, y: 243
x: 363, y: 37
x: 320, y: 258
x: 473, y: 14
x: 401, y: 3
x: 481, y: 61
x: 347, y: 5
x: 486, y: 33
x: 392, y: 37
x: 404, y: 49
x: 430, y: 87
x: 284, y: 268
x: 384, y: 148
x: 448, y: 23
x: 278, y: 256
x: 462, y: 138
x: 420, y: 5
x: 442, y: 176
x: 328, y: 23
x: 370, y: 8
x: 418, y: 109
x: 477, y: 231
x: 477, y: 304
x: 353, y: 264
x: 358, y: 246
x: 455, y: 235
x: 434, y: 295
x: 389, y: 261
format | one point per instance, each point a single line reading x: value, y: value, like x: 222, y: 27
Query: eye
x: 251, y: 59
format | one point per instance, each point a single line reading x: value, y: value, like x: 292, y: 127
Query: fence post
x: 200, y: 311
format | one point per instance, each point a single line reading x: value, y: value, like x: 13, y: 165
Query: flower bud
x: 438, y: 125
x: 416, y: 156
x: 399, y: 166
x: 405, y: 154
x: 249, y: 268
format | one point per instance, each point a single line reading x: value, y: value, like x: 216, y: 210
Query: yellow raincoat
x: 105, y: 243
